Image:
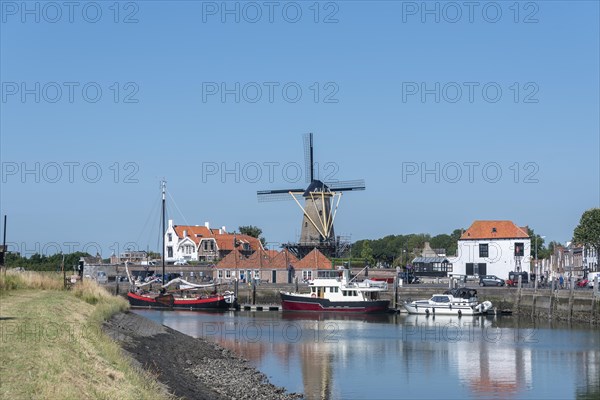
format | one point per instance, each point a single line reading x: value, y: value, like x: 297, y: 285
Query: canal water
x: 406, y: 357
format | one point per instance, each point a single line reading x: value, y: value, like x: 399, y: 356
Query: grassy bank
x: 52, y: 345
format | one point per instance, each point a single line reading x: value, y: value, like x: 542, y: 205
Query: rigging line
x: 152, y: 214
x: 178, y: 210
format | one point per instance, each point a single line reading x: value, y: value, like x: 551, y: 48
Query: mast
x: 4, y: 251
x: 163, y: 185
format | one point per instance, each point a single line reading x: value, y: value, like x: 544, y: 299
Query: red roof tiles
x: 314, y: 260
x: 224, y: 240
x: 494, y: 230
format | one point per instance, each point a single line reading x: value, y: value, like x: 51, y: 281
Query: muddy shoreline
x: 190, y: 368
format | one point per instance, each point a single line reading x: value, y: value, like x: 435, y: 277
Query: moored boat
x: 459, y: 302
x: 186, y: 297
x: 334, y: 291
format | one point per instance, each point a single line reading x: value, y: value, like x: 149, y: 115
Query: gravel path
x: 191, y: 368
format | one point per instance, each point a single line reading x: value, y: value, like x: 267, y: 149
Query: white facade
x: 502, y: 257
x: 177, y: 248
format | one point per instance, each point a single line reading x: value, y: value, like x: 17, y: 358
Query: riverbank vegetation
x: 52, y: 345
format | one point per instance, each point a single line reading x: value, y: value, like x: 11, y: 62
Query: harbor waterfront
x: 395, y: 356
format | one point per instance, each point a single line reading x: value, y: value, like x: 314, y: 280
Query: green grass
x: 52, y: 345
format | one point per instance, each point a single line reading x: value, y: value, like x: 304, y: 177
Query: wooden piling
x: 395, y: 302
x: 571, y: 295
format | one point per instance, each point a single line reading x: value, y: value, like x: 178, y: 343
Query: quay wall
x: 580, y: 305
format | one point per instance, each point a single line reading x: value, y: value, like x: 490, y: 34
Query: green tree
x: 588, y: 230
x: 367, y: 253
x: 152, y: 255
x: 542, y: 252
x: 253, y: 231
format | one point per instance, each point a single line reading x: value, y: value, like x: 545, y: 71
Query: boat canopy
x: 462, y: 293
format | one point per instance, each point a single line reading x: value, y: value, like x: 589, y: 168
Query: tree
x: 253, y: 231
x: 588, y: 230
x: 537, y: 240
x: 367, y: 253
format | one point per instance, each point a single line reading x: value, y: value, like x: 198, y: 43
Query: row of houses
x: 271, y: 266
x: 203, y: 243
x: 499, y: 247
x: 490, y: 247
x: 571, y: 260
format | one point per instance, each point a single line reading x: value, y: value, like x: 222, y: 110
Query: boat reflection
x: 329, y: 357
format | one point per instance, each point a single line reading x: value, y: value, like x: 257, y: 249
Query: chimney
x: 220, y: 231
x: 223, y: 229
x: 170, y: 223
x: 185, y: 233
x: 207, y: 225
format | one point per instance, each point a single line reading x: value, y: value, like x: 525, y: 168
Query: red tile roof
x: 261, y: 259
x: 283, y: 260
x: 314, y: 260
x: 494, y: 230
x: 230, y: 261
x: 224, y: 239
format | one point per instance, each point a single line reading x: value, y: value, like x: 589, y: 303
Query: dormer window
x: 494, y: 230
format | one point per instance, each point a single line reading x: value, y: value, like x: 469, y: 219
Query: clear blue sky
x: 369, y: 116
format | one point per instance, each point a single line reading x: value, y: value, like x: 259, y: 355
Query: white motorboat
x: 334, y: 291
x: 459, y: 302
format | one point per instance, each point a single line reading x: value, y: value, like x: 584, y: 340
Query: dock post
x: 254, y: 292
x: 296, y: 282
x: 236, y: 288
x: 395, y: 292
x: 519, y: 287
x: 571, y: 295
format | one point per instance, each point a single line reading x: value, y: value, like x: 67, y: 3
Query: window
x: 335, y: 289
x: 344, y: 293
x: 228, y: 274
x: 519, y: 249
x: 205, y: 245
x: 256, y: 274
x: 483, y: 250
x: 307, y: 275
x: 170, y: 251
x: 170, y: 237
x: 212, y: 246
x: 220, y: 274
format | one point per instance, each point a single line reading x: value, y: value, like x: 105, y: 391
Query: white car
x: 180, y: 262
x: 591, y: 276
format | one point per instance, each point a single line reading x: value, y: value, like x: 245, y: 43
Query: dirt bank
x: 190, y: 368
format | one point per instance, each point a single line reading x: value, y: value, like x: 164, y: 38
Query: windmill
x: 319, y: 202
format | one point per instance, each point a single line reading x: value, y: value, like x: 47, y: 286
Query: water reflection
x: 398, y: 356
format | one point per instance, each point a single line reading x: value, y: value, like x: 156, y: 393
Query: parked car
x: 590, y: 277
x: 101, y: 277
x: 513, y: 278
x: 408, y: 277
x: 490, y: 280
x: 180, y: 262
x: 582, y: 283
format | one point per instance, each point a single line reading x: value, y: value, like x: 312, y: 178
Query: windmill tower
x: 319, y: 203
